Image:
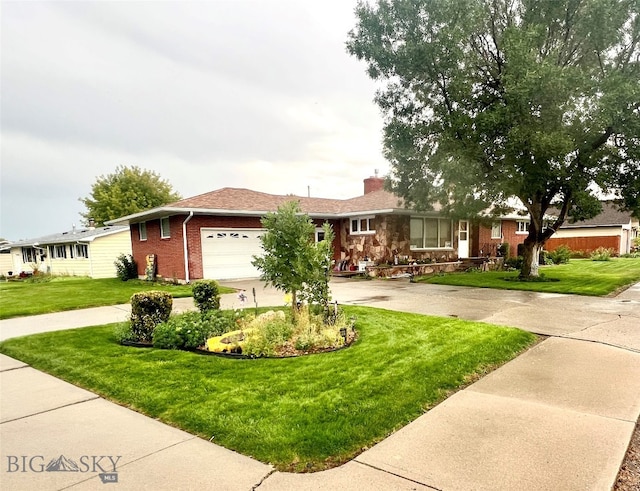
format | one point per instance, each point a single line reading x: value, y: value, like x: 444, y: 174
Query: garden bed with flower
x: 252, y: 333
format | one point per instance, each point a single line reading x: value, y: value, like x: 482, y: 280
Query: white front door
x: 463, y: 239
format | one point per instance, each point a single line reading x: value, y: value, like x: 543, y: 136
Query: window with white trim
x: 82, y: 251
x: 496, y: 230
x: 362, y: 225
x: 165, y: 229
x: 142, y: 230
x: 28, y: 255
x: 522, y: 227
x: 320, y: 234
x: 431, y: 233
x: 60, y: 252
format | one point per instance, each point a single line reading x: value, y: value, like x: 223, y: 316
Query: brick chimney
x: 373, y: 183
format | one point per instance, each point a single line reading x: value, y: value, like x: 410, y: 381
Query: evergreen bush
x: 126, y: 267
x: 148, y: 309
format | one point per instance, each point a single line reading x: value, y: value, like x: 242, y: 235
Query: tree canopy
x: 487, y: 101
x: 128, y: 190
x: 293, y: 261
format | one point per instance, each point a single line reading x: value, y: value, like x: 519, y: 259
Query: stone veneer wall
x: 392, y: 238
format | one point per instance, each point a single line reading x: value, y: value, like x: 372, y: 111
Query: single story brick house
x: 612, y: 229
x: 216, y: 234
x: 87, y: 251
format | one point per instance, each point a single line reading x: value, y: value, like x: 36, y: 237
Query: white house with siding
x: 83, y: 252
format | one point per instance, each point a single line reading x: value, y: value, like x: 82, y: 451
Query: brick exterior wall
x: 484, y: 245
x: 584, y: 244
x: 170, y: 254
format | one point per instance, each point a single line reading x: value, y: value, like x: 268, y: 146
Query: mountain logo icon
x: 62, y: 464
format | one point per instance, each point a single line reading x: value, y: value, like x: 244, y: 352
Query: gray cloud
x: 208, y: 94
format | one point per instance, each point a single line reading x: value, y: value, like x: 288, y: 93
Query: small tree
x: 293, y: 262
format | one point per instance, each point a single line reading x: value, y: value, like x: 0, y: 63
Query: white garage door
x: 227, y: 253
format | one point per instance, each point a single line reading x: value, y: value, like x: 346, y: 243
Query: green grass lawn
x: 579, y: 276
x: 299, y: 414
x: 18, y: 298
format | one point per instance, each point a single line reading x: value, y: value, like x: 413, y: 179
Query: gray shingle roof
x: 610, y: 216
x: 71, y: 236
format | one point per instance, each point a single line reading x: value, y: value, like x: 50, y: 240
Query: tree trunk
x: 530, y: 259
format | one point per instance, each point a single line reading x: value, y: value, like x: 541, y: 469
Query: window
x: 28, y: 255
x: 60, y: 252
x: 142, y: 230
x: 522, y: 227
x: 496, y: 230
x: 463, y: 230
x: 319, y: 235
x: 165, y: 229
x: 82, y: 251
x: 431, y: 233
x: 362, y: 225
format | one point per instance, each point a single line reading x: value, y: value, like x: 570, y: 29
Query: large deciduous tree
x: 293, y: 261
x: 128, y: 190
x: 491, y: 101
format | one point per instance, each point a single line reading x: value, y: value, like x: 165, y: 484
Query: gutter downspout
x: 186, y: 253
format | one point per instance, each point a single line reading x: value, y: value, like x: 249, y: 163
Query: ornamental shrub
x: 602, y: 254
x: 148, y: 309
x: 514, y: 262
x: 206, y: 295
x: 126, y: 267
x: 560, y: 255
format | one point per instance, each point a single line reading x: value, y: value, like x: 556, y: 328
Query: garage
x: 227, y: 253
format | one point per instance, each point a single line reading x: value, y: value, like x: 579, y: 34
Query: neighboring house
x: 612, y: 229
x: 6, y: 264
x: 83, y: 252
x: 215, y: 235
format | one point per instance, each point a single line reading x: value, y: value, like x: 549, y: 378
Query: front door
x: 463, y: 239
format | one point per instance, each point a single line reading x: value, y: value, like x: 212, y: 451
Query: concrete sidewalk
x: 558, y: 417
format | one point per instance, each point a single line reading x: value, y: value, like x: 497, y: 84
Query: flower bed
x: 410, y: 270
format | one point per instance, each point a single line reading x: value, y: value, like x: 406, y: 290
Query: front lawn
x: 579, y: 276
x: 299, y: 414
x: 18, y: 298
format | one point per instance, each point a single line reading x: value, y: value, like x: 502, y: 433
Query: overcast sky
x: 258, y: 94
